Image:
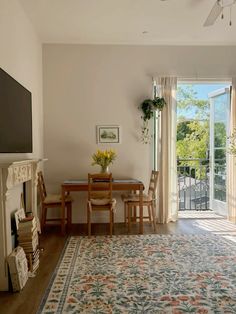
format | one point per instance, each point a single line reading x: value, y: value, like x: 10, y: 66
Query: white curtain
x: 231, y: 184
x: 167, y: 209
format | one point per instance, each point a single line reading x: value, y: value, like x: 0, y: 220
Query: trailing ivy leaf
x: 149, y: 106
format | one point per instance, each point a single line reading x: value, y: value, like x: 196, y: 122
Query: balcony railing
x: 193, y: 184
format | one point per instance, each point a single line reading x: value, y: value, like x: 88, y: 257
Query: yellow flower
x: 103, y: 158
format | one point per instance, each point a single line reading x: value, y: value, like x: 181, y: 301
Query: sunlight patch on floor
x: 195, y: 214
x: 220, y: 227
x: 210, y: 222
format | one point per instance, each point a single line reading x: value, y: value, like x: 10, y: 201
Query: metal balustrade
x: 193, y: 184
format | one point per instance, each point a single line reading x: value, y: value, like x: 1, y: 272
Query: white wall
x: 88, y: 85
x: 21, y: 57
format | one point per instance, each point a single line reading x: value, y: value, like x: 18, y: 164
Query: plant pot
x: 105, y: 169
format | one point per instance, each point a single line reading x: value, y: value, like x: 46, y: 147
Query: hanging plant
x: 149, y: 107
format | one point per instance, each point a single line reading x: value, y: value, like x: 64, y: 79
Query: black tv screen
x: 15, y: 116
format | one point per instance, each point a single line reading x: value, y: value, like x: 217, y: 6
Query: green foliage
x: 194, y: 146
x: 232, y: 143
x: 220, y: 134
x: 196, y: 140
x: 192, y: 135
x: 149, y: 106
x: 187, y: 100
x: 183, y: 129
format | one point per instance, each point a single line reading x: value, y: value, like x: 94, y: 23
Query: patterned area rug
x: 144, y: 274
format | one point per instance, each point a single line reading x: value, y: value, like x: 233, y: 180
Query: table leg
x: 134, y: 216
x: 141, y: 209
x: 69, y: 213
x: 63, y: 211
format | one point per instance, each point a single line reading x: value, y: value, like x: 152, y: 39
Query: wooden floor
x: 27, y: 301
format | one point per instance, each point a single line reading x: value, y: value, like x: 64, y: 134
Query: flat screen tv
x: 15, y: 116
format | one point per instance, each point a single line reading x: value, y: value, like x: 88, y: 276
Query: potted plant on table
x: 104, y: 159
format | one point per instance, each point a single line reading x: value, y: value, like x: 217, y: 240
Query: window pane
x: 220, y: 114
x: 219, y: 195
x: 220, y: 156
x: 220, y: 169
x: 220, y: 134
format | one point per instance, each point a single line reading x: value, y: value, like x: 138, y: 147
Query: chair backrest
x: 153, y: 184
x: 41, y: 185
x: 100, y: 186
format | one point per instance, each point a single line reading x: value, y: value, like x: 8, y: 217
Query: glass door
x: 219, y: 130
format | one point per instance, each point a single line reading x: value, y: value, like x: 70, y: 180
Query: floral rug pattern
x: 144, y: 274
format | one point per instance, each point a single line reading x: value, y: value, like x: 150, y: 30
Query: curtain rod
x: 198, y: 79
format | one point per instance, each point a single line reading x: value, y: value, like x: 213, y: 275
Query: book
x: 33, y: 260
x: 35, y: 266
x: 27, y: 223
x: 18, y: 255
x: 28, y: 229
x: 27, y: 234
x: 34, y: 255
x: 30, y: 246
x: 27, y: 219
x: 18, y: 267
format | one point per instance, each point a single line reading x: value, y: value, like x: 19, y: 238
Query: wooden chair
x: 100, y: 197
x: 52, y: 201
x: 131, y: 202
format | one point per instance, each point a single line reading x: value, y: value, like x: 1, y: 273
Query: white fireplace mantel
x: 11, y: 175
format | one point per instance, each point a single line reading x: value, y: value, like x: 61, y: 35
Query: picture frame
x: 108, y: 134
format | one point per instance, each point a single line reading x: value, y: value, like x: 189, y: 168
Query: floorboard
x: 27, y: 301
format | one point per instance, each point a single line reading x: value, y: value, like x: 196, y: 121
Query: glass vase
x: 105, y: 169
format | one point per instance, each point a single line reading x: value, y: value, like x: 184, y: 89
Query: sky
x: 202, y: 91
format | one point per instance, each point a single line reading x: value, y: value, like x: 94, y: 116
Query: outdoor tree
x: 192, y: 129
x: 188, y: 100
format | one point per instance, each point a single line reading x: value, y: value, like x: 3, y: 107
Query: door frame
x: 219, y: 207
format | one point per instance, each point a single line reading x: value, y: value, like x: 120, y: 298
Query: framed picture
x: 108, y: 134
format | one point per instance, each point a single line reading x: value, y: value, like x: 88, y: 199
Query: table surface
x: 84, y: 181
x: 117, y: 184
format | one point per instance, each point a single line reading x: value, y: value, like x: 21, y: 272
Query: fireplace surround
x: 12, y: 175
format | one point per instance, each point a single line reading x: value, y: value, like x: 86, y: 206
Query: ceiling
x: 139, y: 22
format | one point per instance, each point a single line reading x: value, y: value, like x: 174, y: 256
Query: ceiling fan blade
x: 215, y: 12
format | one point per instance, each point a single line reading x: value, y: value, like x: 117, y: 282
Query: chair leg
x: 154, y: 217
x: 89, y: 221
x: 149, y: 214
x: 69, y: 208
x: 125, y: 213
x: 111, y: 222
x: 129, y: 217
x: 44, y: 216
x: 134, y: 218
x: 113, y: 229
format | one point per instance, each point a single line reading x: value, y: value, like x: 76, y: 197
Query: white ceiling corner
x: 138, y: 22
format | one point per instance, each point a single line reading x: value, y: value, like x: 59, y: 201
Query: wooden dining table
x: 117, y: 185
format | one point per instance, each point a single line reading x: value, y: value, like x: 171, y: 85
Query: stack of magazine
x: 28, y: 240
x: 18, y: 268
